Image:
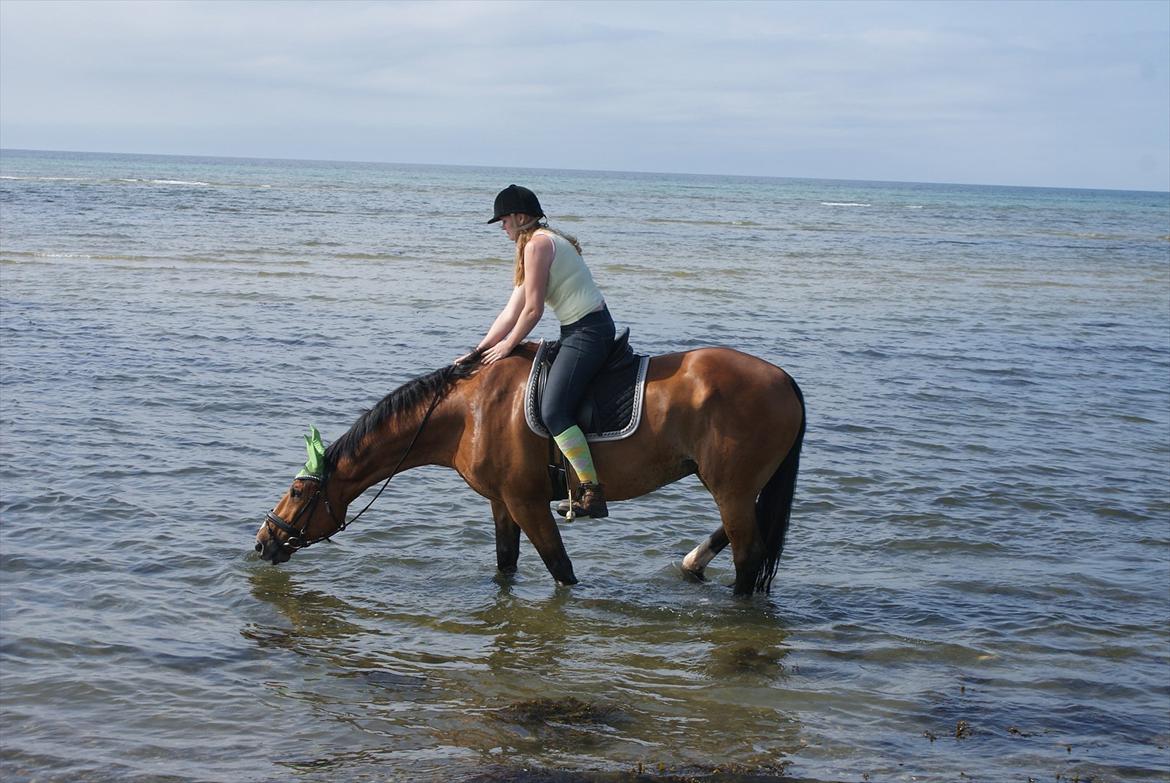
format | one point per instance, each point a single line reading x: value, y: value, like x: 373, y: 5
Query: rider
x: 550, y: 270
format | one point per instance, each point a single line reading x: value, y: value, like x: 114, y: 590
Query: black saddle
x: 608, y: 401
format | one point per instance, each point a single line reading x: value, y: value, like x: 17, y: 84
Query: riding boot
x: 590, y: 501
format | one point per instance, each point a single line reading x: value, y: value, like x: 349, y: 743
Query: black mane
x: 421, y: 391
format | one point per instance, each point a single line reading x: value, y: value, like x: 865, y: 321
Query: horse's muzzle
x: 273, y: 551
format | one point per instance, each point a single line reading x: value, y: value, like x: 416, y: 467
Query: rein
x: 296, y: 536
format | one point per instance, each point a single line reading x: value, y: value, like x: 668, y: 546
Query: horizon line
x: 579, y: 170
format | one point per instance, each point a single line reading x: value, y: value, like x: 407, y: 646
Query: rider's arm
x: 505, y: 321
x: 538, y: 258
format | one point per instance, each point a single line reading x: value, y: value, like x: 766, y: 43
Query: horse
x: 734, y: 420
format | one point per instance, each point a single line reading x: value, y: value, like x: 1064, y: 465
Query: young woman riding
x: 550, y: 271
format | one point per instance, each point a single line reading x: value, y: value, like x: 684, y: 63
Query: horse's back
x: 719, y: 370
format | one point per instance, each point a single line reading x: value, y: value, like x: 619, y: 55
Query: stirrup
x: 590, y: 501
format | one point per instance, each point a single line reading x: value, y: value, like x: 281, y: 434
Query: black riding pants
x: 585, y: 344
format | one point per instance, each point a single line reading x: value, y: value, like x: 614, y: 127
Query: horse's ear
x: 315, y: 465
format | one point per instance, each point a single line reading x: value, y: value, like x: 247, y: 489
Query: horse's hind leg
x: 698, y: 558
x: 747, y: 550
x: 507, y: 538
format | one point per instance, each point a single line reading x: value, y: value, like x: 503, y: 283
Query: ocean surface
x: 976, y: 584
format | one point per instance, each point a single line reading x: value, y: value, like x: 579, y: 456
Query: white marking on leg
x: 698, y: 558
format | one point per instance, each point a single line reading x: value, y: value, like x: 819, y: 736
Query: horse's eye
x: 296, y: 493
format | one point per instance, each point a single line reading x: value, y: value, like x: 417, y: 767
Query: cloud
x: 805, y: 89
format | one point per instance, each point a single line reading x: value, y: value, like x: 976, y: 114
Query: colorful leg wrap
x: 573, y: 445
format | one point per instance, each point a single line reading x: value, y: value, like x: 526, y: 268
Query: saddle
x: 610, y: 410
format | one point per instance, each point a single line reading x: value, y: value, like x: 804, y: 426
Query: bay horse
x: 733, y: 419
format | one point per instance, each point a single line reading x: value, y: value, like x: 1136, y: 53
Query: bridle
x: 296, y: 535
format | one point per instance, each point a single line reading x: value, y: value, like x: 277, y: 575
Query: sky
x: 1060, y: 94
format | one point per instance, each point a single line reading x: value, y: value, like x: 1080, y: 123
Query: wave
x: 694, y: 222
x: 233, y: 259
x: 13, y: 255
x: 190, y: 183
x: 45, y: 179
x: 864, y: 204
x: 370, y: 256
x: 121, y: 180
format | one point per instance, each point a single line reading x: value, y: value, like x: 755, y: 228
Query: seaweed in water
x: 567, y: 710
x: 642, y: 774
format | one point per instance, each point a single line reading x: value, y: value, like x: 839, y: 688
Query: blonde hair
x: 522, y: 242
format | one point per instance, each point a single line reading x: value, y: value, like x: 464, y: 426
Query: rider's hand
x: 470, y: 356
x: 500, y: 350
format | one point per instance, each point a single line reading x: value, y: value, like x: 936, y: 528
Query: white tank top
x: 571, y: 294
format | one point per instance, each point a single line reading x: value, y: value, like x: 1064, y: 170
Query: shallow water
x: 977, y: 579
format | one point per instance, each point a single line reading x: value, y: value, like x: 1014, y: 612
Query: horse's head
x: 305, y: 514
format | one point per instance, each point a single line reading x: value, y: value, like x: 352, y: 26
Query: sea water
x: 976, y: 584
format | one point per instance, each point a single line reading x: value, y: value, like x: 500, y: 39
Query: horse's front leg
x: 507, y: 538
x: 536, y: 520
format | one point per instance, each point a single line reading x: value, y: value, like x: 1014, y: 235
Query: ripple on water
x: 966, y: 585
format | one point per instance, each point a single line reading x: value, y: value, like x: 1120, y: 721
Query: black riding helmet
x: 515, y: 198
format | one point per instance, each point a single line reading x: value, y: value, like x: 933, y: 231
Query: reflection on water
x: 313, y: 615
x: 535, y: 681
x: 526, y: 636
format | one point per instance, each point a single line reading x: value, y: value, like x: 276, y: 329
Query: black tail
x: 774, y: 505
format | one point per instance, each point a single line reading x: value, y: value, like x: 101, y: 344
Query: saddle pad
x: 617, y: 398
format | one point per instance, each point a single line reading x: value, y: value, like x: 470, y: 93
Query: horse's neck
x: 401, y: 444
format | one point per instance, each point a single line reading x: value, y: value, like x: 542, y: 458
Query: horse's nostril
x: 259, y: 547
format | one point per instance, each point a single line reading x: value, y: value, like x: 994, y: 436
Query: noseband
x: 296, y: 535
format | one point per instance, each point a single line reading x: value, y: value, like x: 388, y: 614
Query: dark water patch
x: 19, y: 766
x: 384, y: 679
x: 952, y: 545
x: 745, y: 659
x: 643, y: 772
